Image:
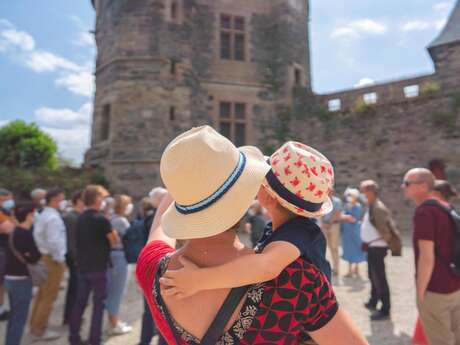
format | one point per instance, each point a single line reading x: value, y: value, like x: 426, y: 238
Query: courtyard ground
x: 351, y: 293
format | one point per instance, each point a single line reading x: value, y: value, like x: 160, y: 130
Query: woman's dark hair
x: 77, y: 195
x: 22, y: 210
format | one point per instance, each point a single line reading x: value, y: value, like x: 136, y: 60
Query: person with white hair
x: 156, y: 195
x: 38, y: 198
x: 351, y: 232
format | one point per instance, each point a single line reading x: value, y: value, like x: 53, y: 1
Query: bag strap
x: 14, y: 250
x: 448, y: 210
x: 217, y: 327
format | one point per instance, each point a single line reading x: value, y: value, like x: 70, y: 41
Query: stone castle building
x: 243, y: 66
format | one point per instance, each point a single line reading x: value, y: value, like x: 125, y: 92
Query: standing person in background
x: 444, y: 190
x: 156, y: 195
x: 331, y: 228
x: 7, y: 225
x: 108, y: 208
x: 377, y: 233
x: 118, y: 271
x: 38, y: 197
x: 50, y: 237
x: 438, y: 286
x: 149, y: 208
x: 70, y: 221
x: 256, y: 222
x: 351, y: 232
x: 95, y: 237
x: 21, y: 250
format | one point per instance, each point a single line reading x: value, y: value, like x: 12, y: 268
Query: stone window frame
x: 411, y: 91
x: 334, y: 105
x: 174, y: 11
x: 371, y: 98
x: 105, y: 122
x: 236, y: 29
x: 298, y: 75
x: 233, y: 119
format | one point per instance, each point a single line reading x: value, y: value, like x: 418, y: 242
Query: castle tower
x: 445, y: 50
x: 164, y: 66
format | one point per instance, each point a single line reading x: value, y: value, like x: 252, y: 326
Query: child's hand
x: 183, y: 282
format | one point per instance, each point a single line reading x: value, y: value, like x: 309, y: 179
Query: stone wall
x: 384, y: 141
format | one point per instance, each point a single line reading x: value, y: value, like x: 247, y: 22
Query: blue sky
x: 47, y: 55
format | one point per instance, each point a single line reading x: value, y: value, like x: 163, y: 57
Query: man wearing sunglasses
x: 438, y: 288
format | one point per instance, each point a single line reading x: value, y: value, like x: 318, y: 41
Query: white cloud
x: 72, y: 143
x: 80, y: 83
x: 85, y: 39
x: 64, y: 117
x: 344, y: 32
x: 70, y: 128
x: 356, y: 28
x: 439, y: 24
x: 416, y: 25
x: 442, y: 6
x: 43, y: 61
x: 19, y: 46
x: 421, y: 25
x: 20, y: 39
x: 4, y: 122
x: 364, y: 82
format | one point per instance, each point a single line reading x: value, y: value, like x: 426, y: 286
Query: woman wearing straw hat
x: 213, y: 183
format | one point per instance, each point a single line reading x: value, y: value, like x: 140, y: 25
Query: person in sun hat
x: 295, y: 191
x: 211, y: 185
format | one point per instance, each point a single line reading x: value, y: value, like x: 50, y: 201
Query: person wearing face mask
x: 50, y: 236
x: 7, y: 224
x: 95, y: 237
x: 70, y: 221
x: 351, y: 232
x: 22, y: 250
x: 118, y: 273
x: 38, y: 198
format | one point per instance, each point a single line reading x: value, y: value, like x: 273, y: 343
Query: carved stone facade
x: 164, y: 66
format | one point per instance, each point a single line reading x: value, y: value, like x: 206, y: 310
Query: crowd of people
x: 233, y: 231
x: 43, y: 237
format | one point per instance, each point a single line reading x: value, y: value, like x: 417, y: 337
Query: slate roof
x: 451, y: 32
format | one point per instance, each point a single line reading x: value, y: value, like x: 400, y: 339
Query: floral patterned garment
x: 299, y: 300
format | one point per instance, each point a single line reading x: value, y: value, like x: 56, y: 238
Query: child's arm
x: 244, y: 270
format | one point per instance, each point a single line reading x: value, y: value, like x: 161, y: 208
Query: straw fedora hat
x: 212, y: 182
x: 301, y: 179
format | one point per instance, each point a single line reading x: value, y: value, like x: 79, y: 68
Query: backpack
x: 454, y: 216
x: 134, y: 240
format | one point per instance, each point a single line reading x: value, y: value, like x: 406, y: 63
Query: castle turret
x: 445, y: 50
x: 166, y: 65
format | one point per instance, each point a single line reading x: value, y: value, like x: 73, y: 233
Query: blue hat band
x: 204, y: 204
x: 290, y: 197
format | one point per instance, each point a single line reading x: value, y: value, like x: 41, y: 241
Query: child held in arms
x: 296, y: 191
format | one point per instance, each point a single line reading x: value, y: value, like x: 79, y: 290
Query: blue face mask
x: 8, y: 204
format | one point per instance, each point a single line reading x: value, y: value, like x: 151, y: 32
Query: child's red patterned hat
x: 301, y: 178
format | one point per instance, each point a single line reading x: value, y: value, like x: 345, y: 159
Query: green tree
x: 25, y: 146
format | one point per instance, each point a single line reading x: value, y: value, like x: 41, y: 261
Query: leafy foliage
x: 22, y: 181
x: 25, y: 146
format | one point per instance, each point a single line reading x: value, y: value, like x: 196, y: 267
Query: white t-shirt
x: 370, y: 234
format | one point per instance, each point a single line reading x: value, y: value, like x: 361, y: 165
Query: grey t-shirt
x: 120, y: 225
